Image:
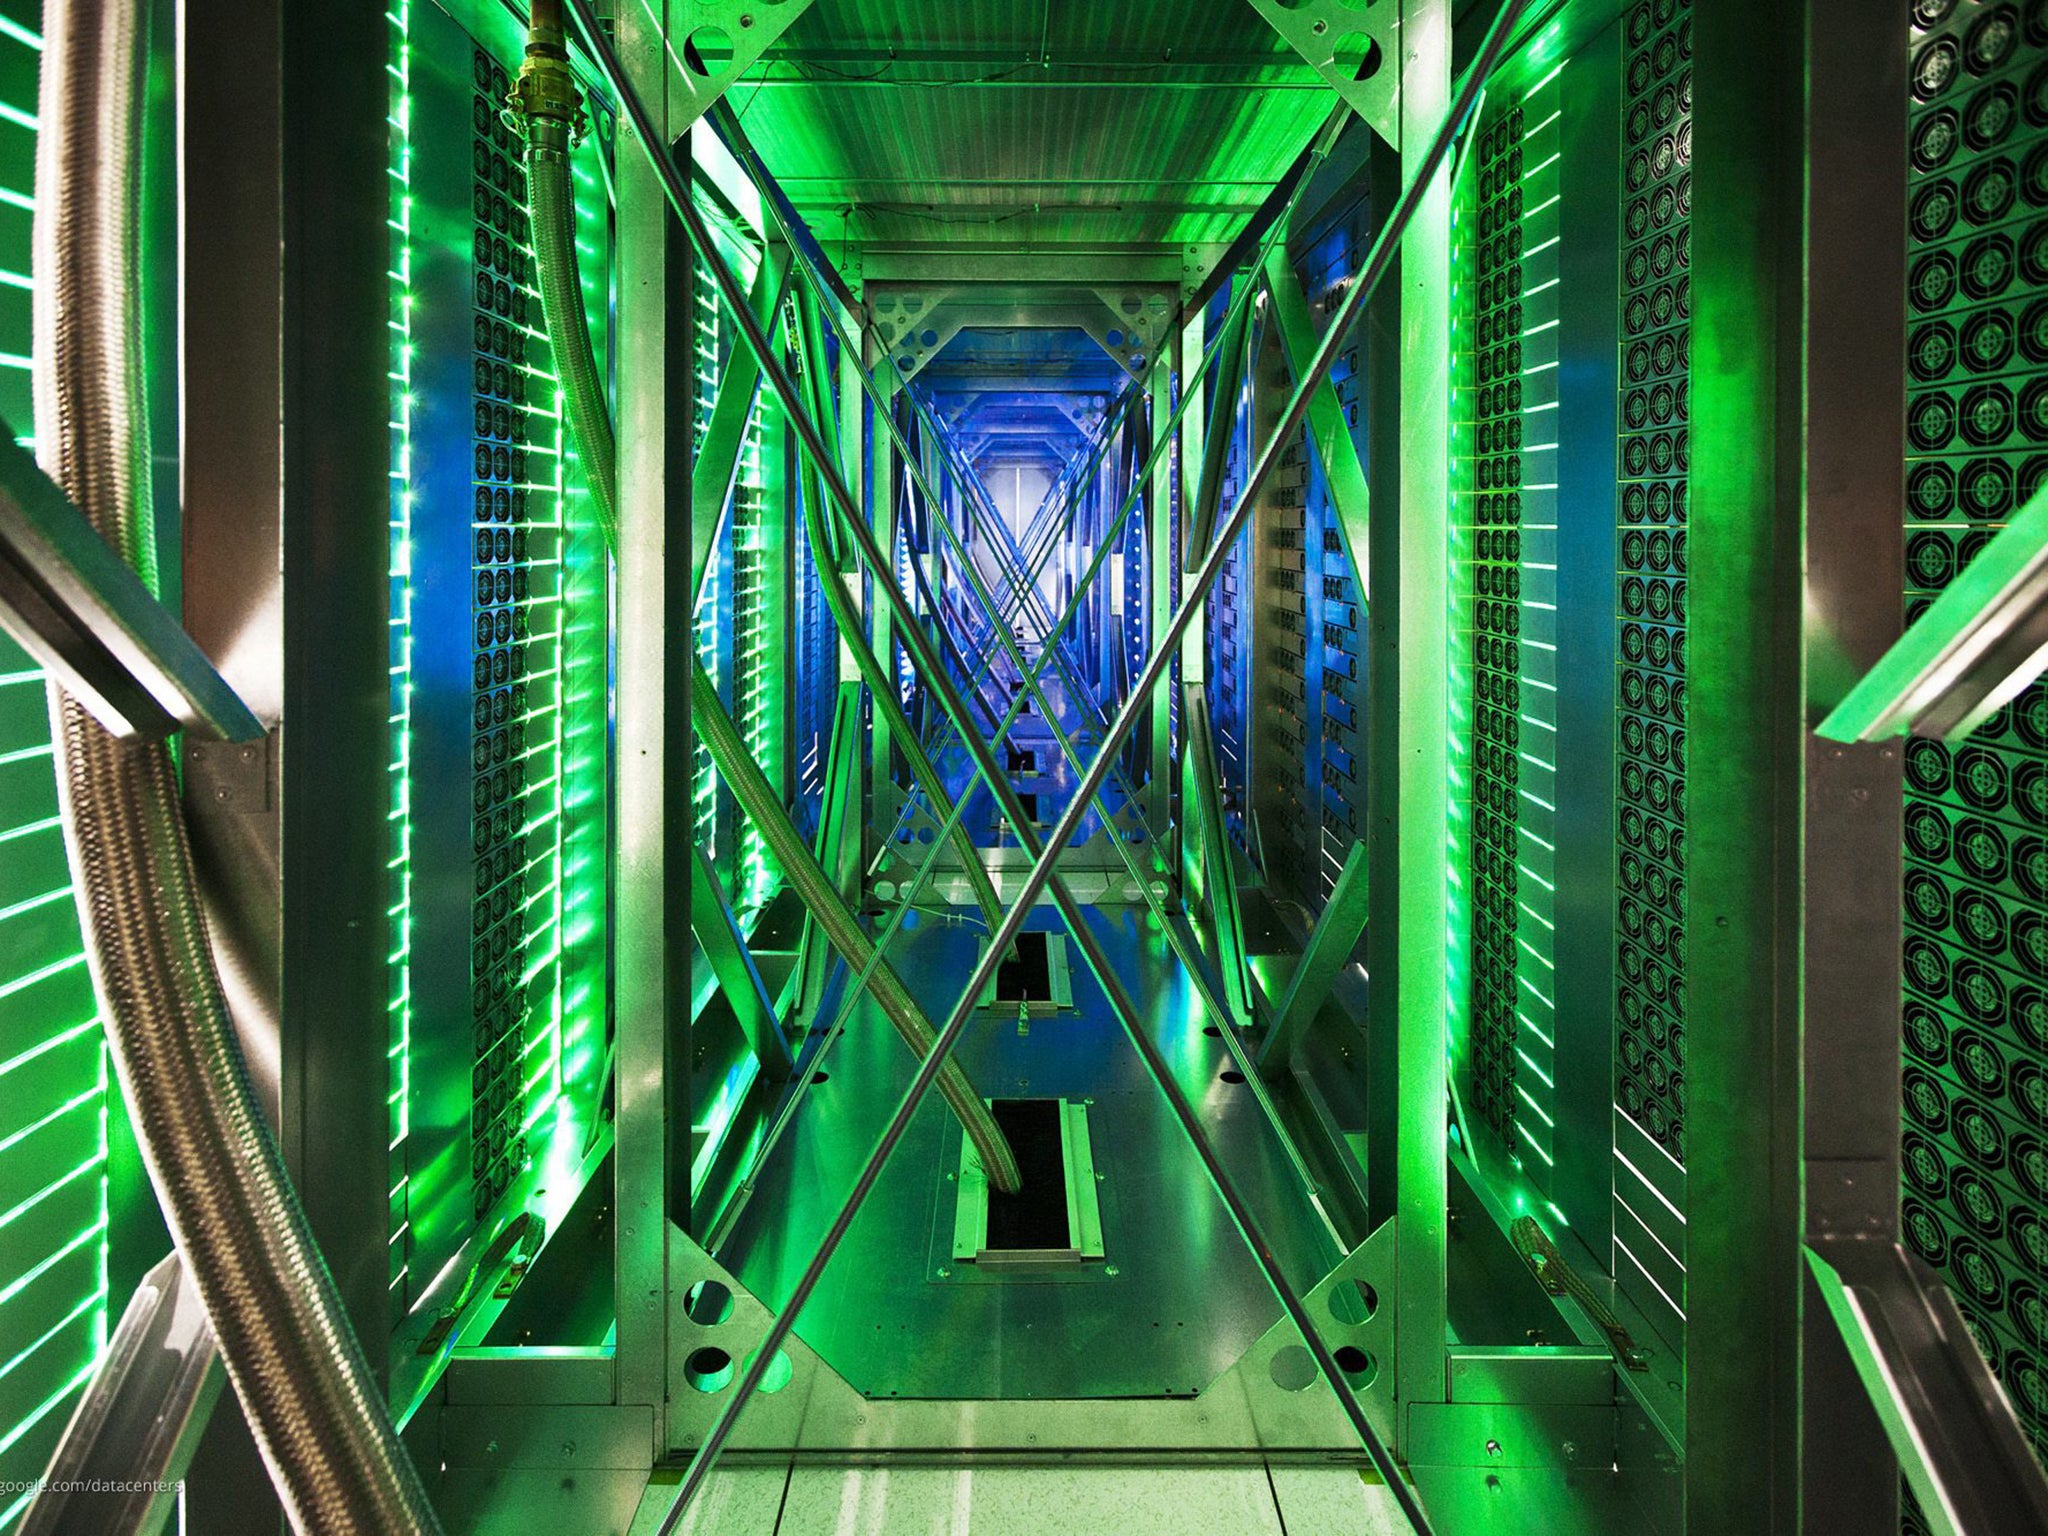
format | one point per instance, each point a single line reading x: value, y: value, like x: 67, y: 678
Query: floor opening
x: 1036, y: 1216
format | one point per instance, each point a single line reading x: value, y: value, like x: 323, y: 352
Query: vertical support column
x: 1853, y: 135
x: 284, y: 255
x: 655, y: 748
x: 1743, y: 1280
x: 1408, y: 689
x: 1160, y: 590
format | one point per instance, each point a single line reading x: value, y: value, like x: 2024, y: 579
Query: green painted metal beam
x: 1743, y: 785
x: 1329, y: 949
x: 725, y: 947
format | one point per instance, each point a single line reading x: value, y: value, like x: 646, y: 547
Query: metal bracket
x: 78, y: 609
x: 1354, y: 1308
x: 1958, y: 1441
x: 1983, y: 641
x: 718, y: 931
x: 1356, y: 51
x: 711, y: 43
x: 139, y: 1421
x: 1329, y: 948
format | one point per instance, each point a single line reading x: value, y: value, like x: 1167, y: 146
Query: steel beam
x: 120, y: 1468
x: 1218, y: 870
x: 1327, y: 424
x: 82, y: 612
x: 1844, y: 413
x: 1408, y: 696
x: 1327, y: 952
x: 725, y: 948
x: 655, y: 751
x: 717, y: 464
x: 1412, y: 201
x: 1744, y: 1269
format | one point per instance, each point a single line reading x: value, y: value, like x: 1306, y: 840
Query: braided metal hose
x: 548, y: 107
x: 317, y: 1412
x: 844, y: 931
x: 548, y: 102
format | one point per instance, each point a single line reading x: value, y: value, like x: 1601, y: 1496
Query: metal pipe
x: 312, y: 1402
x: 547, y: 94
x: 843, y: 929
x: 1043, y: 869
x: 547, y: 105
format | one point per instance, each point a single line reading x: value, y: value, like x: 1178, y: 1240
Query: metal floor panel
x: 1177, y: 1298
x: 1031, y: 1501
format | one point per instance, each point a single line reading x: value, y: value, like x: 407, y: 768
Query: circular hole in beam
x: 708, y: 51
x: 1359, y: 1368
x: 1353, y: 1302
x: 710, y: 1369
x: 1356, y: 56
x: 707, y: 1303
x: 1293, y: 1368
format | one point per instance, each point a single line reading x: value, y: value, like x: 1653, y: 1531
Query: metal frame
x: 1742, y: 1174
x: 1840, y: 429
x: 1430, y: 166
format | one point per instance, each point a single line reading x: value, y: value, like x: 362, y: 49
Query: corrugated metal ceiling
x: 1028, y: 124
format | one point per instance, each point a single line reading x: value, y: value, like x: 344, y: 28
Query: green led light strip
x: 1536, y: 788
x: 55, y: 1088
x: 758, y: 643
x: 711, y: 592
x: 402, y: 501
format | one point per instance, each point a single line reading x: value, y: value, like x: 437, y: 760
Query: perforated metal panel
x: 499, y: 645
x: 1976, y: 886
x: 1655, y: 455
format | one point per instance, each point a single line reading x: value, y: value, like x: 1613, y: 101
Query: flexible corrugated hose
x: 548, y: 103
x: 317, y: 1412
